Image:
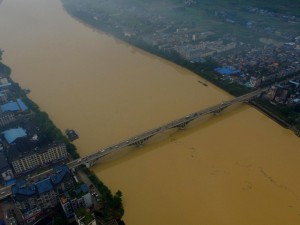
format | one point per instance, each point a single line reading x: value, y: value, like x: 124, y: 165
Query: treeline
x: 111, y: 205
x: 288, y: 114
x: 48, y: 132
x: 4, y: 69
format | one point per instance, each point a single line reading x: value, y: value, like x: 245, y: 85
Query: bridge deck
x: 136, y: 140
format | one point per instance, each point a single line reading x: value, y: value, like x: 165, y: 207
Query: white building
x: 76, y: 198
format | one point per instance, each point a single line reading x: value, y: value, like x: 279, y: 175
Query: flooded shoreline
x: 235, y: 168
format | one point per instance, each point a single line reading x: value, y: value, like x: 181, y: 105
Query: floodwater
x: 238, y: 168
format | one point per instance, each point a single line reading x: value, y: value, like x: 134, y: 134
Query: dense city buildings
x: 263, y: 48
x: 254, y: 47
x: 35, y: 181
x: 34, y: 199
x: 75, y: 198
x: 6, y: 172
x: 255, y: 44
x: 27, y: 145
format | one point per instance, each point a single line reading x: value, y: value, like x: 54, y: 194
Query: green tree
x: 60, y: 220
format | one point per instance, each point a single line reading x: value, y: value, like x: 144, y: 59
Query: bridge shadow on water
x: 168, y: 136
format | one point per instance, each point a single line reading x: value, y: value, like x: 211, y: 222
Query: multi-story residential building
x: 3, y: 97
x: 32, y: 199
x: 75, y: 198
x: 6, y: 118
x: 9, y: 110
x: 25, y: 152
x: 6, y: 173
x: 24, y: 156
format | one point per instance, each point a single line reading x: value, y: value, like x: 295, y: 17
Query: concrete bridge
x: 139, y: 140
x: 180, y: 123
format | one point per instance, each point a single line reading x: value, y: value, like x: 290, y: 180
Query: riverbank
x: 210, y: 173
x: 202, y: 69
x: 272, y: 112
x: 111, y: 205
x: 269, y: 114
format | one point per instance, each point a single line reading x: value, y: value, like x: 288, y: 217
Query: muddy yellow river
x: 238, y: 168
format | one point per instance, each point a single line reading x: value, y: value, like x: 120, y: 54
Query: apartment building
x: 33, y: 199
x: 24, y: 157
x: 75, y: 198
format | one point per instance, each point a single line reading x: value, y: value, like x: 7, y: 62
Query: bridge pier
x: 218, y: 111
x: 182, y: 125
x: 90, y: 163
x: 140, y: 142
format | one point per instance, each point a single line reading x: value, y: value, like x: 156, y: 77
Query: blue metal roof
x: 84, y: 188
x: 5, y: 85
x: 44, y: 186
x: 12, y: 134
x: 59, y: 173
x: 10, y: 107
x: 14, y: 106
x: 24, y: 189
x: 22, y: 105
x: 227, y: 70
x: 10, y: 182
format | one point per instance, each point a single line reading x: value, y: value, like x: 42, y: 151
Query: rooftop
x: 226, y: 70
x: 24, y: 188
x: 59, y: 173
x: 12, y: 134
x: 19, y: 105
x: 25, y: 146
x: 10, y: 107
x: 22, y: 105
x: 44, y: 186
x: 5, y: 85
x: 20, y: 148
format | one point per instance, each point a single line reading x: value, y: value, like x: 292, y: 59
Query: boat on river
x: 71, y: 134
